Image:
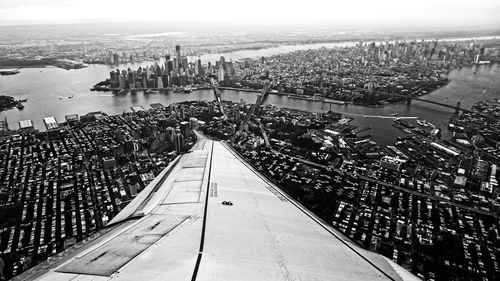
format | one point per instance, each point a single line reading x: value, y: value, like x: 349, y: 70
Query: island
x: 7, y: 102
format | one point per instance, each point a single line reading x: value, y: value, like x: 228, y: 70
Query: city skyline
x: 444, y: 14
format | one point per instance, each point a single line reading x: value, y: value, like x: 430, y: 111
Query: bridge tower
x: 457, y: 109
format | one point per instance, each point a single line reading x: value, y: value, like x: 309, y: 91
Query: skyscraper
x: 175, y: 68
x: 160, y: 83
x: 179, y: 143
x: 113, y: 76
x: 193, y: 123
x: 121, y: 81
x: 171, y: 134
x: 182, y: 115
x: 229, y: 69
x: 178, y: 55
x: 166, y: 81
x: 116, y: 58
x: 185, y: 64
x: 220, y: 73
x: 198, y: 68
x: 170, y: 67
x: 184, y: 128
x: 211, y: 108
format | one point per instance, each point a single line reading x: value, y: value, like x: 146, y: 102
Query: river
x: 48, y: 91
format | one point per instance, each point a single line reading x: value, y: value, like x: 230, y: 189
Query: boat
x: 333, y: 101
x: 20, y: 106
x: 403, y: 122
x: 395, y: 114
x: 304, y: 98
x: 187, y: 90
x: 422, y: 122
x: 9, y: 72
x: 23, y: 100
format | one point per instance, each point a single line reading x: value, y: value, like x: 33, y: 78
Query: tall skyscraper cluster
x: 174, y: 72
x: 222, y: 69
x: 449, y: 54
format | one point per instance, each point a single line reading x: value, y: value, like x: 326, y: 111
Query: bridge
x: 456, y: 107
x: 218, y: 97
x: 260, y: 100
x: 411, y: 97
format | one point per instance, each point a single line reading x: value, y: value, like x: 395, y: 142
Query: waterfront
x: 57, y: 92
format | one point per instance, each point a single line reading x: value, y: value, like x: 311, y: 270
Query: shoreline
x: 328, y: 100
x: 248, y: 90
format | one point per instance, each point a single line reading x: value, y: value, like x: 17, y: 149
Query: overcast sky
x: 375, y: 13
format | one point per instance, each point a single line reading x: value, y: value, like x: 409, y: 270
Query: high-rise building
x: 175, y: 68
x: 131, y: 79
x: 193, y: 123
x: 198, y: 70
x: 170, y: 67
x: 179, y: 143
x: 113, y: 76
x: 178, y: 56
x: 184, y: 127
x: 116, y: 58
x: 121, y: 81
x: 170, y: 134
x: 220, y: 74
x: 165, y: 80
x: 229, y: 69
x: 182, y: 115
x: 211, y: 108
x: 192, y: 111
x: 184, y: 63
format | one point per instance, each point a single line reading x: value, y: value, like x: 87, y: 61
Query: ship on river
x: 9, y: 72
x: 424, y: 123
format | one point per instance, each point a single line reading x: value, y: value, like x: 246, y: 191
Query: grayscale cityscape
x: 261, y: 140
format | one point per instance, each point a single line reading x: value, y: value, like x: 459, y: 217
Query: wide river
x: 48, y: 89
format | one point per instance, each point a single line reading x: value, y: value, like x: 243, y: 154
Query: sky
x: 356, y: 13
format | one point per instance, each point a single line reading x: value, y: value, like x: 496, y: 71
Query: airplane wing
x: 178, y: 229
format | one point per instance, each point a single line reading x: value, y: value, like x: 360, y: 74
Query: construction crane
x: 218, y: 99
x: 260, y: 99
